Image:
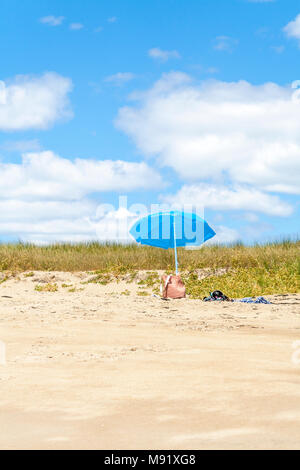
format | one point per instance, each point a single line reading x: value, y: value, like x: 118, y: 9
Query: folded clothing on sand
x: 250, y: 300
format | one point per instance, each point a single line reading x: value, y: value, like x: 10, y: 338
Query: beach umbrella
x: 172, y: 229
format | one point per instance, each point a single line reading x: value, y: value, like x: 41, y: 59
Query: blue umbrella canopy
x: 171, y: 230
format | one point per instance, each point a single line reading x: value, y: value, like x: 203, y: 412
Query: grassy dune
x: 248, y: 271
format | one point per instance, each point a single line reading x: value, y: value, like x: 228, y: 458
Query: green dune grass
x: 248, y: 270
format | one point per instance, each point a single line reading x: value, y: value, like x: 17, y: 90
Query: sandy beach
x: 99, y: 367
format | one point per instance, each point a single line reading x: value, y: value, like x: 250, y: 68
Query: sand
x: 95, y: 369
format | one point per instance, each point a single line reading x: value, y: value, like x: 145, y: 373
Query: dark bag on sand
x: 217, y: 295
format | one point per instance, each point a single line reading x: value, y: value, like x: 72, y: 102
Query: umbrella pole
x: 175, y: 249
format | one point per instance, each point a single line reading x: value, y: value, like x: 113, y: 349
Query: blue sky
x: 163, y: 101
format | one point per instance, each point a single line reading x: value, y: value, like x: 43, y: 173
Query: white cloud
x: 243, y: 133
x: 224, y: 235
x: 64, y: 221
x: 76, y: 26
x: 163, y: 56
x: 67, y: 229
x: 112, y: 19
x: 115, y: 225
x: 17, y: 211
x: 225, y: 43
x: 120, y: 78
x: 221, y: 198
x: 52, y: 20
x: 292, y: 29
x: 81, y: 227
x: 48, y: 198
x: 44, y: 175
x: 29, y: 102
